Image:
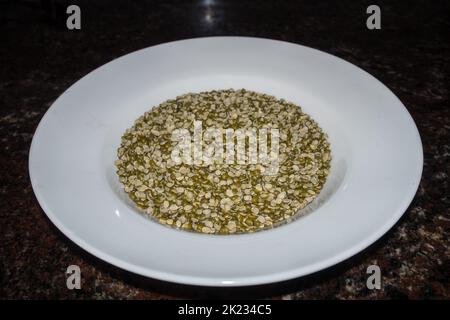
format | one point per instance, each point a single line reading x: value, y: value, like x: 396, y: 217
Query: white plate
x: 376, y: 166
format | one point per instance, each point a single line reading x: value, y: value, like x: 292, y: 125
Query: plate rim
x: 247, y: 281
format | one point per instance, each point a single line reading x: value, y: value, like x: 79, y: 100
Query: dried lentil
x: 223, y: 198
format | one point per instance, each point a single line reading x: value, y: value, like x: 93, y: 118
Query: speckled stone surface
x: 39, y: 59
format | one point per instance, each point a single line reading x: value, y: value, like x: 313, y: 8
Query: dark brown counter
x: 40, y: 58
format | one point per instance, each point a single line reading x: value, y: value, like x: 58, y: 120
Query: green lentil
x: 223, y: 198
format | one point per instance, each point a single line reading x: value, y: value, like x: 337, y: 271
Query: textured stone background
x: 39, y: 59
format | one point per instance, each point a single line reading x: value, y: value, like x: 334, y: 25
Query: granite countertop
x: 40, y: 59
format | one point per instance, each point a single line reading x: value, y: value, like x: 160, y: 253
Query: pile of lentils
x: 222, y: 198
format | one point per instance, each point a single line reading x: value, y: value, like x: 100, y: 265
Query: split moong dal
x: 169, y: 180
